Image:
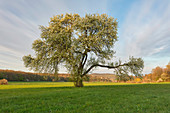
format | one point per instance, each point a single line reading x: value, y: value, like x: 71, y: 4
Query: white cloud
x: 145, y: 31
x: 19, y: 22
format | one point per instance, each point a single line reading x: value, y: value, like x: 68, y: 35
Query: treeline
x: 11, y: 75
x: 159, y: 74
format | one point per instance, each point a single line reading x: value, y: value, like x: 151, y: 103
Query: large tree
x: 81, y: 44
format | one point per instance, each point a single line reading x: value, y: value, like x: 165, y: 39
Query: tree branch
x: 82, y: 63
x: 84, y: 60
x: 78, y: 52
x: 105, y: 66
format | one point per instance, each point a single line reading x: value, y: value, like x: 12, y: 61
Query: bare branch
x: 105, y: 66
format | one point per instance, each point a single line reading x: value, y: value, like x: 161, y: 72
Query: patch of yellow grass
x: 14, y: 85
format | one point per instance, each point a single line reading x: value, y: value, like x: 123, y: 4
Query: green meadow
x: 56, y: 97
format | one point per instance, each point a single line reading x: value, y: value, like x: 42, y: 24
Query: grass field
x: 52, y: 97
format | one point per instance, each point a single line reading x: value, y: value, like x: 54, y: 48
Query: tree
x: 148, y: 77
x: 167, y: 69
x: 124, y: 77
x: 81, y: 44
x: 166, y: 75
x: 156, y: 73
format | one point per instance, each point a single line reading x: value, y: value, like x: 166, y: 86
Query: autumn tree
x: 81, y: 44
x: 156, y: 73
x: 167, y: 69
x: 166, y: 75
x: 124, y: 77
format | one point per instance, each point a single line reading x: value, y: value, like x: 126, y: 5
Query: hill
x: 12, y: 75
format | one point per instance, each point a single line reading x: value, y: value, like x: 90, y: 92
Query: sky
x: 143, y: 28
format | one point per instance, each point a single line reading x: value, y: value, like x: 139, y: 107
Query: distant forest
x: 11, y: 75
x: 157, y: 74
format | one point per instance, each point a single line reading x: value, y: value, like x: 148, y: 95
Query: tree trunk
x: 78, y: 83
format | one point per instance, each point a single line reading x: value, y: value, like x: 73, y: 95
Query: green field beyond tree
x: 52, y: 97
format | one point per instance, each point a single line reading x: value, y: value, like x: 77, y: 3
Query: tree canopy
x: 81, y: 44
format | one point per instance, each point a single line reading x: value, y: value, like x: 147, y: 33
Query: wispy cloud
x: 19, y: 21
x: 146, y: 31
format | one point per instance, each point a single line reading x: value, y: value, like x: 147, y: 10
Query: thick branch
x: 78, y: 52
x: 82, y: 63
x: 109, y: 67
x: 84, y: 60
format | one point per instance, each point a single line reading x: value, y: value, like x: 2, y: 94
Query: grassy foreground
x: 36, y: 97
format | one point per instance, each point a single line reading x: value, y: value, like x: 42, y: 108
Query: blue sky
x: 144, y: 28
